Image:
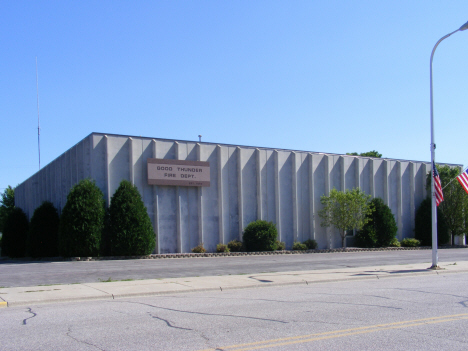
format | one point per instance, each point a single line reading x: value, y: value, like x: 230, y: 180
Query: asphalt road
x: 22, y: 273
x: 399, y: 313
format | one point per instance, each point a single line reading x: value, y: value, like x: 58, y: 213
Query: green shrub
x: 130, y: 229
x: 260, y: 236
x: 423, y: 225
x: 222, y: 248
x: 366, y: 238
x: 82, y: 220
x: 43, y: 231
x: 199, y: 249
x: 15, y: 233
x: 7, y: 204
x: 235, y: 246
x: 381, y: 229
x: 280, y: 245
x: 395, y: 243
x: 299, y: 246
x: 410, y: 242
x: 311, y: 244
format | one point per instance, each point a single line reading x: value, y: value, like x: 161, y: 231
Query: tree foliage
x: 43, y: 231
x: 15, y: 233
x: 131, y: 232
x: 454, y: 208
x: 7, y: 203
x: 423, y: 225
x: 381, y: 229
x: 260, y: 236
x: 82, y: 220
x: 345, y: 210
x: 372, y: 153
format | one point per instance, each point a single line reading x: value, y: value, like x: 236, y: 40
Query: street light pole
x: 435, y: 259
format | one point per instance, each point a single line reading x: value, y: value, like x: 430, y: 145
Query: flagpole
x: 435, y: 258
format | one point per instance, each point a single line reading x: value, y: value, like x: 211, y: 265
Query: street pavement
x: 17, y: 273
x: 111, y: 290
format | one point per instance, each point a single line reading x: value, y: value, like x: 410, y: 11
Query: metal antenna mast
x: 38, y: 120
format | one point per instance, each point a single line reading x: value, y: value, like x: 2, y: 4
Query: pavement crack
x: 168, y: 323
x: 33, y: 315
x: 203, y: 313
x: 81, y: 341
x: 431, y: 292
x: 92, y: 287
x: 358, y: 304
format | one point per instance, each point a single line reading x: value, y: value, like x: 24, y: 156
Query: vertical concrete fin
x: 130, y: 160
x: 412, y: 194
x: 220, y: 195
x: 259, y: 185
x: 371, y: 177
x: 343, y: 174
x: 311, y: 197
x: 357, y: 172
x: 239, y: 192
x: 200, y: 202
x: 385, y: 182
x: 399, y: 200
x: 277, y: 196
x: 107, y: 171
x: 424, y: 167
x: 180, y: 247
x: 294, y: 195
x: 327, y: 193
x: 156, y: 206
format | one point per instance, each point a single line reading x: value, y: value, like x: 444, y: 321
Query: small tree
x: 43, y: 231
x: 7, y: 204
x: 131, y: 231
x: 15, y: 233
x: 454, y: 208
x: 82, y: 220
x: 345, y: 210
x: 260, y: 236
x: 381, y: 229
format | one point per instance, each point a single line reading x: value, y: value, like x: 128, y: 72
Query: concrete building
x: 238, y: 185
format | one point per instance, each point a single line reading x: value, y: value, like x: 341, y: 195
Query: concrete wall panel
x: 247, y: 183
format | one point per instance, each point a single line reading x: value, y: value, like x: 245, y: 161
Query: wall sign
x: 177, y: 172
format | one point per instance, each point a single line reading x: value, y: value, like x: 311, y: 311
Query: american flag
x: 463, y: 180
x: 437, y: 185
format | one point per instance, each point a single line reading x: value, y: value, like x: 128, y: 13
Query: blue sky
x: 330, y: 76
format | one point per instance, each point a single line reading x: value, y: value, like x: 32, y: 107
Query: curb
x: 113, y: 296
x: 230, y: 254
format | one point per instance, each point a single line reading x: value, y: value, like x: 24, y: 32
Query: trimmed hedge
x: 82, y: 220
x: 15, y: 233
x: 131, y: 232
x: 199, y: 249
x: 423, y: 225
x: 381, y: 230
x: 299, y: 246
x: 410, y: 242
x: 280, y: 245
x: 311, y: 244
x: 222, y: 248
x: 260, y: 236
x: 235, y: 246
x: 43, y: 231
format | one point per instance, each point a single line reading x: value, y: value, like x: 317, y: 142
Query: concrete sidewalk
x: 19, y: 296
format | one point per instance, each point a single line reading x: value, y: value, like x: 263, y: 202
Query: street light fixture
x: 435, y: 259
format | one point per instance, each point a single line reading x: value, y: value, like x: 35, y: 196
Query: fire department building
x: 197, y: 192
